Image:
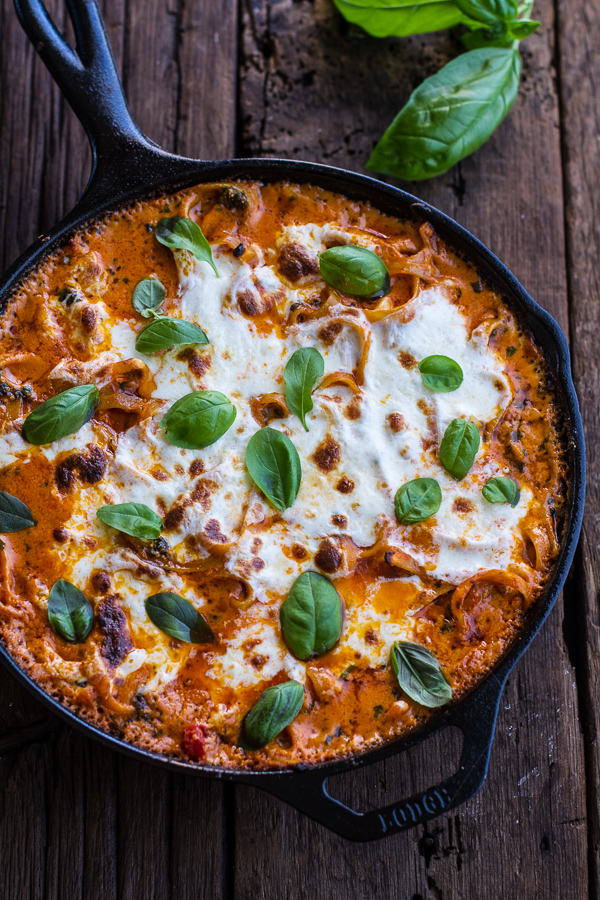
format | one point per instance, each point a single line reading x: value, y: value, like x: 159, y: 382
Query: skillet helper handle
x: 88, y: 79
x: 476, y: 719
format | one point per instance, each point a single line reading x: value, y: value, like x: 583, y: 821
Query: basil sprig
x: 302, y: 371
x: 419, y: 674
x: 177, y: 617
x: 311, y: 615
x: 61, y: 415
x: 450, y: 115
x: 184, y: 234
x: 199, y: 419
x: 401, y: 19
x: 356, y: 271
x: 274, y: 466
x: 417, y: 500
x: 14, y: 514
x: 441, y: 374
x: 501, y: 490
x: 459, y: 447
x: 164, y: 332
x: 148, y: 296
x: 276, y: 707
x: 69, y: 612
x: 135, y: 519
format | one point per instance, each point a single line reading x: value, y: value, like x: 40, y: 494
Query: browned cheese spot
x: 396, y: 422
x: 353, y: 410
x: 196, y: 468
x: 197, y: 364
x: 90, y: 468
x: 258, y: 661
x: 345, y: 485
x: 159, y: 475
x: 257, y: 564
x: 213, y: 532
x: 201, y: 495
x: 329, y: 333
x: 340, y: 521
x: 101, y: 582
x: 60, y: 534
x: 112, y: 622
x: 295, y: 261
x: 299, y: 552
x: 88, y: 319
x: 328, y: 557
x: 371, y: 636
x: 407, y: 360
x: 252, y: 302
x: 462, y: 505
x: 174, y: 518
x: 327, y: 455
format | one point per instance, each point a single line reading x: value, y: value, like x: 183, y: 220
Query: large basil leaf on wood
x: 14, y: 514
x: 450, y: 115
x: 356, y: 271
x: 184, y: 234
x: 489, y: 11
x: 69, y: 612
x: 148, y: 296
x: 177, y: 617
x: 199, y: 419
x: 164, y: 332
x: 419, y: 674
x: 459, y: 447
x: 277, y: 707
x: 401, y: 18
x: 135, y: 519
x: 303, y: 370
x: 501, y: 490
x: 417, y: 500
x: 274, y: 466
x: 311, y: 615
x: 61, y: 415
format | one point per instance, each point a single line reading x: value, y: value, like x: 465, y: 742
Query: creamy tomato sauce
x: 459, y: 583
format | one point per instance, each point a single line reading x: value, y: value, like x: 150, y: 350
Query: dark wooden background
x: 289, y: 78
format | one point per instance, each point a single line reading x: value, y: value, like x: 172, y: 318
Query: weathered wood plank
x: 75, y: 818
x: 579, y: 82
x: 313, y: 88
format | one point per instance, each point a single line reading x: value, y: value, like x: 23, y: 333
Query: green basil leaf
x: 401, y: 18
x: 199, y: 419
x: 419, y: 674
x: 14, y: 514
x: 488, y: 11
x: 440, y: 373
x: 501, y: 490
x: 69, y: 612
x: 502, y: 34
x: 274, y: 466
x: 61, y: 415
x: 459, y: 447
x: 148, y: 296
x: 523, y: 28
x: 417, y: 500
x: 302, y: 371
x: 450, y: 115
x: 135, y: 519
x: 311, y: 615
x: 276, y: 707
x: 183, y: 234
x: 177, y: 617
x: 163, y: 333
x: 356, y: 271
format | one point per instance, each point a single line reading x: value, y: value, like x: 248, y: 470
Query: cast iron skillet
x: 126, y: 166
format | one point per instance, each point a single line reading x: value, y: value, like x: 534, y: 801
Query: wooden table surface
x: 288, y: 78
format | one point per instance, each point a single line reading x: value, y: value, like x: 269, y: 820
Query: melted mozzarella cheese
x: 246, y: 362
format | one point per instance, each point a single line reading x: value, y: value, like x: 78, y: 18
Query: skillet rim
x: 167, y: 175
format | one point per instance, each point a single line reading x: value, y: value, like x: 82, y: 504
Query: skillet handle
x: 307, y: 791
x: 89, y: 81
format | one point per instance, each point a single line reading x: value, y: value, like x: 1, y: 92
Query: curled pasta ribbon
x: 98, y: 676
x: 347, y: 379
x: 267, y: 407
x: 491, y: 576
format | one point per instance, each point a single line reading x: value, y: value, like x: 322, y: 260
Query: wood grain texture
x: 77, y: 820
x: 579, y: 82
x: 315, y: 88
